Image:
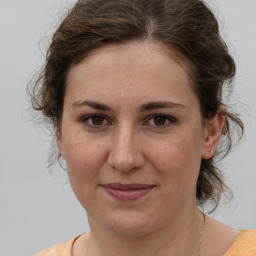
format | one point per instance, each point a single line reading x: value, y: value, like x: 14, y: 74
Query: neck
x: 178, y: 237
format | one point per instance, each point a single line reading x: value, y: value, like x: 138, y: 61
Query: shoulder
x: 245, y: 244
x: 61, y: 249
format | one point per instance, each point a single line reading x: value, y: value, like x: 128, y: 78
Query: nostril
x: 125, y: 161
x: 125, y: 151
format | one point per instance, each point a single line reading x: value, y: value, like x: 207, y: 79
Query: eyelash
x: 166, y: 118
x: 86, y: 119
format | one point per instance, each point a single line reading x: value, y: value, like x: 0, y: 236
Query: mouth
x: 127, y: 192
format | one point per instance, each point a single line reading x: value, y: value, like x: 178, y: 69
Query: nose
x: 126, y: 152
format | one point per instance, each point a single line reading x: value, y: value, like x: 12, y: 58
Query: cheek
x: 178, y: 162
x: 84, y: 161
x: 83, y: 158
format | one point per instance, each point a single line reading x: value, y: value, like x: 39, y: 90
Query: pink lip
x: 127, y: 192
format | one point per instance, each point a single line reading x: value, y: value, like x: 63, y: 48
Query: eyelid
x: 171, y: 120
x: 84, y: 119
x: 107, y: 121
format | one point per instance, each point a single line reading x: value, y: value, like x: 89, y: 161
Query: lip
x: 127, y: 192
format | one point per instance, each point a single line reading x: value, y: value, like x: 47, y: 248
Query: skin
x: 128, y: 144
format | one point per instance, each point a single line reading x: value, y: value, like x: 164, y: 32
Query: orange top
x: 62, y: 249
x: 244, y: 245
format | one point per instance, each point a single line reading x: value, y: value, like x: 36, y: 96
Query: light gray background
x: 38, y: 209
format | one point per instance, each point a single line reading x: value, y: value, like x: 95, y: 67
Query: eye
x: 95, y: 120
x: 160, y: 120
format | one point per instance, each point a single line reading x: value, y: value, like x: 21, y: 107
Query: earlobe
x: 60, y: 145
x: 213, y: 131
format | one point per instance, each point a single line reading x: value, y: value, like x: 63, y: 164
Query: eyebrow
x: 160, y: 104
x: 144, y: 107
x: 92, y: 104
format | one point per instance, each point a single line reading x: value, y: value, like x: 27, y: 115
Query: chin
x: 128, y: 223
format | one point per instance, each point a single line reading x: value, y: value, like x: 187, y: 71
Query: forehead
x: 151, y: 53
x: 140, y: 67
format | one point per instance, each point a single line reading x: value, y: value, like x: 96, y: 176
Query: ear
x: 60, y: 144
x: 212, y: 132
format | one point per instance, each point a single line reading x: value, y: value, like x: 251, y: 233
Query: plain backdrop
x: 39, y: 209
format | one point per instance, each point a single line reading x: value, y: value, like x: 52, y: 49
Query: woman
x: 133, y: 89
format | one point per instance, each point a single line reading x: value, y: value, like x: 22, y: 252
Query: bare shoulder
x: 80, y: 245
x: 217, y: 228
x: 218, y: 237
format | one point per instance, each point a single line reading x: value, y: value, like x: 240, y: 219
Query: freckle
x: 135, y: 222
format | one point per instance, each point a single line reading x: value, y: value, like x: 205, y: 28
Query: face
x: 132, y: 137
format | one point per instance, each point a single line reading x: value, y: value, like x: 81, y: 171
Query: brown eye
x: 159, y: 120
x: 97, y: 120
x: 94, y: 121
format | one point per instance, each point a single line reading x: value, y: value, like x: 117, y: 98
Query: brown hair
x: 187, y: 26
